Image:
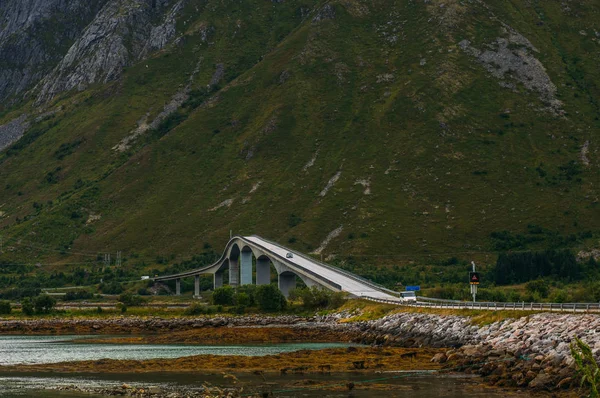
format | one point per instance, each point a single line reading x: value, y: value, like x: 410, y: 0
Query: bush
x: 539, y: 286
x: 78, y: 295
x: 270, y: 298
x: 242, y: 299
x: 99, y: 310
x: 44, y: 304
x: 238, y: 309
x: 223, y: 296
x: 316, y: 297
x: 131, y: 300
x: 142, y: 291
x: 199, y: 309
x: 5, y: 308
x: 111, y: 288
x: 27, y: 307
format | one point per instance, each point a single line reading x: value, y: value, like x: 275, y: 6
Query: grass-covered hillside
x: 390, y: 128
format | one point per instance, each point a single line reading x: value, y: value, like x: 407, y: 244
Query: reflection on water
x: 51, y: 349
x: 287, y: 386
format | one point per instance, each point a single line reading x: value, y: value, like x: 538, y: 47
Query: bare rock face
x: 121, y: 33
x: 12, y: 131
x: 34, y: 35
x: 512, y: 58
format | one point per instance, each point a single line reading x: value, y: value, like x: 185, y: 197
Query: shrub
x: 5, y: 308
x: 539, y: 286
x: 223, y: 296
x: 44, y: 304
x: 197, y: 309
x: 270, y: 298
x: 242, y: 299
x: 99, y: 310
x: 238, y: 309
x: 78, y: 295
x: 131, y: 300
x: 316, y: 297
x: 587, y: 367
x: 27, y: 307
x: 111, y: 288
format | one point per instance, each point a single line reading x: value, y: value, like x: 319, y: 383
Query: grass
x: 368, y: 311
x: 428, y: 197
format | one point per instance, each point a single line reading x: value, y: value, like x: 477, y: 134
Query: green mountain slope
x: 347, y: 127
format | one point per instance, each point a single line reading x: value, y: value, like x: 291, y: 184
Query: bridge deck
x: 347, y: 281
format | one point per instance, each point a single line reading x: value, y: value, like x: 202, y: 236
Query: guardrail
x: 495, y: 306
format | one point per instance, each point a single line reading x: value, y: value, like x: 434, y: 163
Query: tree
x: 111, y: 288
x: 317, y: 297
x: 223, y: 295
x: 131, y: 300
x: 270, y: 298
x: 5, y: 308
x: 44, y: 304
x: 27, y: 307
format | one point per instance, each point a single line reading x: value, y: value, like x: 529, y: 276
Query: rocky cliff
x: 59, y: 45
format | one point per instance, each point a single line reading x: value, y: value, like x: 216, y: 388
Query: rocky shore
x: 528, y: 352
x: 532, y: 351
x: 144, y: 325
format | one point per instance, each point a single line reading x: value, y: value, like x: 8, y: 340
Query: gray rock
x: 13, y: 131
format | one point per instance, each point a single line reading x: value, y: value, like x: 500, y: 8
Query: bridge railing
x: 337, y: 269
x: 498, y: 306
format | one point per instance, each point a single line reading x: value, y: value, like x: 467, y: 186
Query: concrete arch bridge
x: 238, y: 260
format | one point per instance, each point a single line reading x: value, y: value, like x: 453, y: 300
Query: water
x: 16, y: 350
x: 288, y: 386
x: 51, y: 349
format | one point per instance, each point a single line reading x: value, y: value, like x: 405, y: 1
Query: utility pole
x: 118, y: 260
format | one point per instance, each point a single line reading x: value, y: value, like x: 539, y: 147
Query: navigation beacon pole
x: 473, y: 280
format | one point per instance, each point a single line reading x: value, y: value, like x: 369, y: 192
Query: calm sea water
x: 16, y: 350
x: 36, y: 349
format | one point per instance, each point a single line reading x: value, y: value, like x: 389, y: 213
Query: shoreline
x: 531, y: 352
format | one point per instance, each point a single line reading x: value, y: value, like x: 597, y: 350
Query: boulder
x: 439, y: 358
x: 542, y: 381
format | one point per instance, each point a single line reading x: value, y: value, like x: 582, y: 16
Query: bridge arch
x: 288, y: 265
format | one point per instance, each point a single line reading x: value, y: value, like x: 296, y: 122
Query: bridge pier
x: 178, y: 287
x: 218, y: 280
x: 246, y: 267
x: 197, y: 286
x: 263, y: 271
x: 234, y: 272
x: 287, y: 282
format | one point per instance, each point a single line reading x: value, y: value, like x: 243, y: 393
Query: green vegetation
x: 43, y: 304
x: 5, y: 308
x: 457, y: 167
x: 315, y: 297
x: 269, y: 298
x: 131, y: 300
x: 587, y: 367
x: 223, y: 296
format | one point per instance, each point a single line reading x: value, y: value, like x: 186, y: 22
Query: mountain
x: 399, y: 129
